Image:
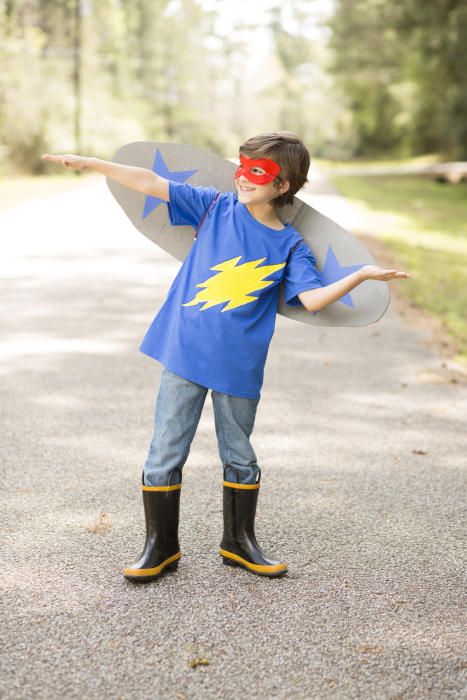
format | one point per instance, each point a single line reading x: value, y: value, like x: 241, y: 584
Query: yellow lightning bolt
x: 233, y: 284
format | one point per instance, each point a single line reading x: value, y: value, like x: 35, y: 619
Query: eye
x: 258, y: 171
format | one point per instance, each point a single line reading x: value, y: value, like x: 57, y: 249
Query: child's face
x: 253, y: 192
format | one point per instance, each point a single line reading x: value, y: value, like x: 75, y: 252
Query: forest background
x: 87, y: 76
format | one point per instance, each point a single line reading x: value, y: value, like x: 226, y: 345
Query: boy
x: 213, y: 332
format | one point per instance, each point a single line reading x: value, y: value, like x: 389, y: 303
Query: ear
x: 284, y: 186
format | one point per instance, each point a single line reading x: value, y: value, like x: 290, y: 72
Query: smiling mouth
x: 247, y: 189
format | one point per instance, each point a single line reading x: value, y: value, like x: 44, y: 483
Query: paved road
x: 361, y: 438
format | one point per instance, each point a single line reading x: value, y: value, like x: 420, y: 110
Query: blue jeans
x: 178, y: 410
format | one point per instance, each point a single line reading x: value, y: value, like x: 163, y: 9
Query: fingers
x: 385, y: 275
x: 65, y: 160
x: 390, y: 274
x: 53, y: 158
x: 394, y: 274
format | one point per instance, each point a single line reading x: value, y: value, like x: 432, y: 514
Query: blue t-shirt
x: 218, y: 319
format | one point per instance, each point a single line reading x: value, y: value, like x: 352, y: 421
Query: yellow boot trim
x: 175, y: 487
x: 254, y: 567
x: 234, y: 485
x: 155, y: 569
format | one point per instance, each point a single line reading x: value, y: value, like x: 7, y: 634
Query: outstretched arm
x: 140, y: 179
x: 317, y: 299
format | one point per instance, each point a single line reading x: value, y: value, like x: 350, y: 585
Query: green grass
x: 424, y: 224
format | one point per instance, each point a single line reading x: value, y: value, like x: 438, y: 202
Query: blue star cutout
x: 160, y: 168
x: 333, y: 271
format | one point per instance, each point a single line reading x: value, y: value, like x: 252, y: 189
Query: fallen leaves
x: 101, y: 526
x: 198, y: 662
x: 370, y: 650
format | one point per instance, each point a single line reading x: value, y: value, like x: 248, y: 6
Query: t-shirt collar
x: 251, y: 220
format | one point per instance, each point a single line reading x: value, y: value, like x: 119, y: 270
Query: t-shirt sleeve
x: 188, y: 203
x: 300, y: 274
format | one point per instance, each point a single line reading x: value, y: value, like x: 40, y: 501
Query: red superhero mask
x: 247, y: 170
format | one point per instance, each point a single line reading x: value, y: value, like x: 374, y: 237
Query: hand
x: 373, y: 272
x: 68, y: 160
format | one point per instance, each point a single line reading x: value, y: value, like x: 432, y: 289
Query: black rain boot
x: 161, y: 549
x: 239, y: 546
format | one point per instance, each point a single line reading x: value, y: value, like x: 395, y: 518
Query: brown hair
x: 288, y: 151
